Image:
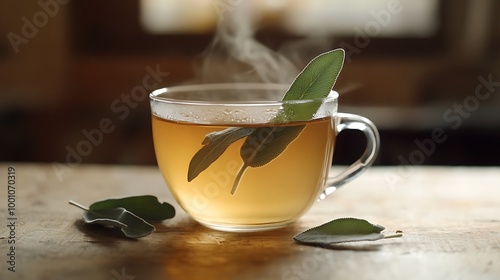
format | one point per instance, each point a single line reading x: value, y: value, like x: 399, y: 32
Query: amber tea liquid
x: 270, y: 196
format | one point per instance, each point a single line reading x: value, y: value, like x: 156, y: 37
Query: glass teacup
x: 234, y: 161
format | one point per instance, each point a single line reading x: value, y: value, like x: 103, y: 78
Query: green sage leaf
x: 263, y: 145
x: 215, y: 144
x: 318, y: 77
x: 341, y: 230
x: 315, y: 81
x: 146, y: 206
x: 131, y: 225
x: 266, y: 143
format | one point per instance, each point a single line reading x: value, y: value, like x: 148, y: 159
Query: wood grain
x: 450, y: 218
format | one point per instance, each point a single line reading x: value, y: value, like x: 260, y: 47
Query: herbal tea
x: 228, y: 192
x: 242, y: 175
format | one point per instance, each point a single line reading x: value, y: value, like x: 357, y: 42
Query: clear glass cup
x: 237, y: 158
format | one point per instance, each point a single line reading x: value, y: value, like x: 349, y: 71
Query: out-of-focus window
x: 380, y: 18
x: 177, y: 16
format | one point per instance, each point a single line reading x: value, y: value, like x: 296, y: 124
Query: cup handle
x: 351, y: 121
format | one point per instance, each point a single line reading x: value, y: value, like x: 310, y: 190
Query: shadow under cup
x: 237, y: 158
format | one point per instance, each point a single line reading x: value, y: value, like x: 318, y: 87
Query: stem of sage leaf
x: 78, y: 205
x: 393, y: 235
x: 238, y: 177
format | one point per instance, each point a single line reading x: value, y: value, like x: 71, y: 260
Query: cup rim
x: 155, y: 95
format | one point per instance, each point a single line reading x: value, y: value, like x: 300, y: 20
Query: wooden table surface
x: 450, y: 218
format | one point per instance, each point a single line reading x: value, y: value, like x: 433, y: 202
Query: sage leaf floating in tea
x: 318, y: 77
x: 129, y: 214
x: 215, y: 144
x: 257, y: 150
x: 314, y: 82
x: 146, y: 206
x: 342, y: 230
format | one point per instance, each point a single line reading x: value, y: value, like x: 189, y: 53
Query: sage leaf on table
x: 315, y: 81
x: 342, y: 230
x: 129, y: 214
x: 131, y: 225
x: 146, y: 206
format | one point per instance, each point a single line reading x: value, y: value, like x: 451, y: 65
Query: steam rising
x: 235, y: 56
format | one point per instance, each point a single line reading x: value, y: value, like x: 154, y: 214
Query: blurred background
x: 426, y: 72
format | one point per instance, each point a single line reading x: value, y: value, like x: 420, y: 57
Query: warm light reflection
x: 380, y: 18
x: 177, y: 16
x: 385, y: 18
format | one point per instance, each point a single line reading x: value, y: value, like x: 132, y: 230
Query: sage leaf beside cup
x: 131, y: 215
x: 342, y: 230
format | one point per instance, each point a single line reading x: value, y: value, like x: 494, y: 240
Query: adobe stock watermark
x: 11, y: 222
x: 39, y: 19
x: 220, y: 181
x: 380, y: 19
x: 121, y: 108
x: 454, y: 116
